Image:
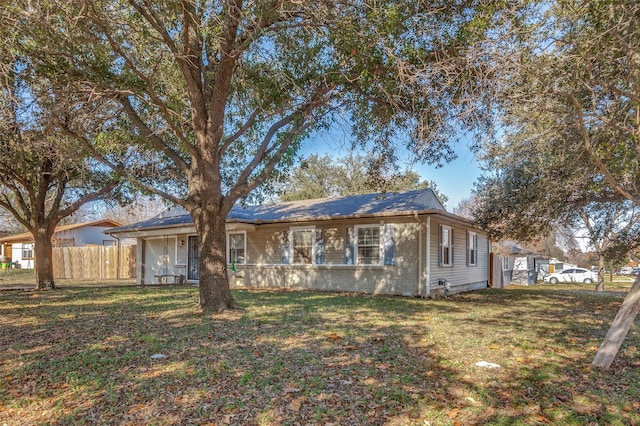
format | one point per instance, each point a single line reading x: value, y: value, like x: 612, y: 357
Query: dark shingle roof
x: 374, y: 204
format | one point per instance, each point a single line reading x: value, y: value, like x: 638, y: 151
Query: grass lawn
x: 26, y: 278
x: 83, y: 355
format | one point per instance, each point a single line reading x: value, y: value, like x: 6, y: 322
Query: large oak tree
x: 225, y: 92
x: 44, y: 177
x: 574, y: 90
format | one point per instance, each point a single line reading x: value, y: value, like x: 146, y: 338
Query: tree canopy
x: 326, y: 176
x: 44, y: 176
x: 571, y: 122
x: 574, y: 83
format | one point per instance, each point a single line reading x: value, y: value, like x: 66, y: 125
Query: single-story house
x: 19, y: 248
x: 393, y: 243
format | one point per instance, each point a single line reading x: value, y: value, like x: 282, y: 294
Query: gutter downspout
x: 420, y: 273
x: 428, y: 258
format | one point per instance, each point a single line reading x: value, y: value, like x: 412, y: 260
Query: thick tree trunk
x: 43, y: 252
x: 215, y: 294
x: 600, y: 283
x: 619, y: 328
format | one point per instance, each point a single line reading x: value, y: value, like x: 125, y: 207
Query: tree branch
x: 93, y: 196
x: 225, y: 71
x: 265, y: 148
x: 24, y: 219
x: 155, y: 141
x: 246, y: 126
x: 157, y: 101
x: 250, y: 185
x: 589, y: 148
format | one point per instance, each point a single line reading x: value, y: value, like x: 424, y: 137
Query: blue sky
x: 455, y: 179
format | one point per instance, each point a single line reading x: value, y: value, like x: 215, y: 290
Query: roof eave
x: 336, y: 217
x: 450, y: 216
x: 149, y: 228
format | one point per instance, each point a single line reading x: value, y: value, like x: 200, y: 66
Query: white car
x: 573, y: 275
x: 626, y: 270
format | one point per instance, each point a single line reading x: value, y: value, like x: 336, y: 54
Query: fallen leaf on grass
x: 296, y: 404
x: 453, y: 413
x: 333, y: 336
x: 382, y: 366
x: 290, y: 389
x: 472, y: 401
x: 542, y: 419
x: 257, y: 353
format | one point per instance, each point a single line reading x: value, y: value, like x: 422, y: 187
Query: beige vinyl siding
x: 264, y: 266
x: 264, y: 245
x: 460, y: 276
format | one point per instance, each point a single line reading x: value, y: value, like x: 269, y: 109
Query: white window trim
x: 229, y: 246
x: 313, y: 244
x: 30, y: 247
x: 472, y: 242
x: 446, y: 262
x: 380, y: 245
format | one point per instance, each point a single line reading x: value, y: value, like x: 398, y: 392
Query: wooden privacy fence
x: 94, y: 262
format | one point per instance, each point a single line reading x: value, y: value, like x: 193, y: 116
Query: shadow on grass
x: 81, y: 356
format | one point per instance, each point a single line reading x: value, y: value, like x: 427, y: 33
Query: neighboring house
x: 554, y: 265
x: 519, y: 265
x: 19, y: 248
x: 404, y: 243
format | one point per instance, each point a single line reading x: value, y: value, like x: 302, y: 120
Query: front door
x: 193, y: 260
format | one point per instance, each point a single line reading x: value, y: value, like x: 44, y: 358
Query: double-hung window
x: 472, y: 248
x: 446, y: 245
x: 27, y: 251
x: 236, y: 248
x: 302, y: 246
x: 368, y: 247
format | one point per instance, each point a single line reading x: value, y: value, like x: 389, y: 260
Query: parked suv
x: 573, y: 275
